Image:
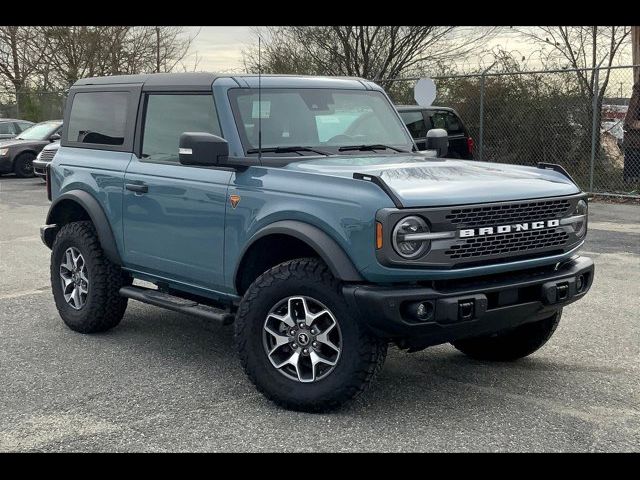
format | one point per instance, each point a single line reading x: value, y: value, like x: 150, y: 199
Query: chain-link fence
x: 571, y: 117
x: 35, y: 106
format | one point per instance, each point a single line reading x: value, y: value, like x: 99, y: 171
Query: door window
x: 169, y: 116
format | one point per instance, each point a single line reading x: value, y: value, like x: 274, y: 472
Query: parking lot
x: 162, y: 381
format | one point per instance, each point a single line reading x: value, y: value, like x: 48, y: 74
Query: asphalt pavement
x: 162, y: 381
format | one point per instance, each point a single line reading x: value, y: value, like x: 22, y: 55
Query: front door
x: 174, y: 214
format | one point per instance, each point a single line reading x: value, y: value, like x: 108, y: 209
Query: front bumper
x: 6, y: 164
x: 40, y: 168
x: 469, y: 307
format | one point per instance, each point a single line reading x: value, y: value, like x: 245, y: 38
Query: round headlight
x: 581, y: 209
x: 402, y: 242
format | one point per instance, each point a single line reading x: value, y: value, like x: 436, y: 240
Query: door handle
x: 137, y: 187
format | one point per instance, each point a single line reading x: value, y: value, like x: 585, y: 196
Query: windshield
x: 40, y: 131
x: 327, y: 120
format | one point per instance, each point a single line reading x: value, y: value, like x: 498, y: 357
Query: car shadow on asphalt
x: 439, y: 378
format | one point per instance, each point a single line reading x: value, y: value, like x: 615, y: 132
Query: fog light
x: 580, y: 283
x: 421, y: 311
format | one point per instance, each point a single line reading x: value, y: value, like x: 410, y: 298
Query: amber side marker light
x: 378, y: 235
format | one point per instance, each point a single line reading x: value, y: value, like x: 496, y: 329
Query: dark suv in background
x: 419, y: 120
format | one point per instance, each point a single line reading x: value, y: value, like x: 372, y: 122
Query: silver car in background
x: 44, y: 158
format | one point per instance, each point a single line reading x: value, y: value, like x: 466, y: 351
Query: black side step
x: 177, y: 304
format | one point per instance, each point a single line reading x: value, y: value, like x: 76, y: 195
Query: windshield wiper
x: 288, y: 150
x: 375, y: 146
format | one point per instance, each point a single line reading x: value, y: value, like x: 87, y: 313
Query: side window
x: 6, y: 128
x: 22, y: 126
x: 98, y: 118
x: 169, y: 116
x: 415, y: 123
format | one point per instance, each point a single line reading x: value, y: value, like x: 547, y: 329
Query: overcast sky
x: 219, y: 49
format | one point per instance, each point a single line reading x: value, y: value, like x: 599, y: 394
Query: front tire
x: 298, y: 342
x: 512, y: 344
x: 84, y: 282
x: 23, y: 165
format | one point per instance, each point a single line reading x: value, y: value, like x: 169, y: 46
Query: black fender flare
x: 331, y: 253
x: 97, y: 216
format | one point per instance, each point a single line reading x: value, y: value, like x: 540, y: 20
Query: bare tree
x: 80, y: 51
x: 21, y: 53
x: 581, y: 48
x: 374, y: 52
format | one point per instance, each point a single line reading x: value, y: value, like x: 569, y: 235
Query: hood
x: 426, y: 182
x: 14, y: 142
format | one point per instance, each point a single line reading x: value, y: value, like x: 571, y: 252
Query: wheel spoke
x: 324, y: 338
x: 316, y: 359
x: 75, y: 296
x: 286, y: 319
x: 68, y: 262
x: 280, y: 339
x: 293, y: 361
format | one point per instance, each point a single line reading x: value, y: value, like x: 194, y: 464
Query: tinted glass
x: 98, y: 118
x: 6, y: 128
x: 314, y: 117
x: 169, y: 116
x: 415, y: 123
x: 447, y: 120
x: 24, y: 125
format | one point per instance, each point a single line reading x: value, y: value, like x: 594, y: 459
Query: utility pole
x: 635, y: 48
x: 157, y: 49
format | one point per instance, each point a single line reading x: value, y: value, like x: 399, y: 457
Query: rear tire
x: 23, y: 165
x: 306, y: 384
x: 77, y: 260
x: 512, y: 344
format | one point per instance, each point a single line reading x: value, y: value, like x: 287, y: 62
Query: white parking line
x: 5, y: 296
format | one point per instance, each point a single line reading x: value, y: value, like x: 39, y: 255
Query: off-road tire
x: 20, y: 165
x: 104, y: 306
x: 512, y: 344
x: 362, y: 354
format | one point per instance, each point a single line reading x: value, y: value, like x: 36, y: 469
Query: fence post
x: 595, y: 128
x: 481, y: 130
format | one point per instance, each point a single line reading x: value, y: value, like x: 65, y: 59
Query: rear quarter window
x: 445, y: 119
x: 99, y: 118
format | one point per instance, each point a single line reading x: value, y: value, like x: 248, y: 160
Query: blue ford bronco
x: 299, y: 209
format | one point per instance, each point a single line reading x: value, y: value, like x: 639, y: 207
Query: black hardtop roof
x: 188, y: 80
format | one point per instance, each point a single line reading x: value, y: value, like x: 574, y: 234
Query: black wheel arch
x: 76, y: 205
x: 319, y: 241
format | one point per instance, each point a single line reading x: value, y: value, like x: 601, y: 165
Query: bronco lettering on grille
x: 517, y: 227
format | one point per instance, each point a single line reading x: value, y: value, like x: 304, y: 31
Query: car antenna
x: 259, y: 102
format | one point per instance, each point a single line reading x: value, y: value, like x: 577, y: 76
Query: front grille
x: 508, y: 214
x: 47, y: 155
x: 508, y: 243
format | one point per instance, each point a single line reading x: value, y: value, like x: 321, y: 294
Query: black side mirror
x: 55, y: 137
x: 200, y: 148
x: 438, y: 140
